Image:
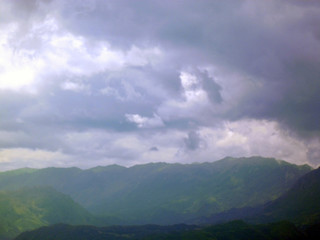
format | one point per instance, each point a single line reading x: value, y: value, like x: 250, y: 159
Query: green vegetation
x: 165, y: 193
x: 301, y: 204
x: 31, y: 208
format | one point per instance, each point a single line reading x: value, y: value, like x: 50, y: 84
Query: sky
x: 94, y: 82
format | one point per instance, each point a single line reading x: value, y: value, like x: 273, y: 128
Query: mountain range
x: 299, y: 204
x: 162, y: 193
x: 156, y: 193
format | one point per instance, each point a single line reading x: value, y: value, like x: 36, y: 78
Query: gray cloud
x: 116, y: 66
x: 193, y: 141
x: 154, y: 149
x: 211, y: 87
x: 275, y: 43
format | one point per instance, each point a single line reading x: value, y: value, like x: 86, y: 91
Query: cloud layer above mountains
x: 93, y: 82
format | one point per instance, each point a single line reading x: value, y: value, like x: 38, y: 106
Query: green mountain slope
x: 300, y: 204
x: 31, y: 208
x: 166, y: 193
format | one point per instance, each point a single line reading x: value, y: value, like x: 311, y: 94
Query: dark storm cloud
x: 274, y: 42
x: 193, y: 141
x: 210, y: 86
x: 153, y: 149
x: 251, y: 60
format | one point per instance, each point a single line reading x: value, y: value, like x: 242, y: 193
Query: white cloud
x: 34, y: 158
x: 142, y: 57
x: 249, y: 138
x: 193, y: 104
x: 193, y: 92
x: 17, y: 68
x: 69, y: 53
x: 47, y: 49
x: 75, y: 86
x: 145, y: 122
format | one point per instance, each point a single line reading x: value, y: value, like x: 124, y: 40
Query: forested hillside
x: 165, y: 193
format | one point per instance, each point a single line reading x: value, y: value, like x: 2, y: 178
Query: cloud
x: 193, y: 141
x: 145, y: 122
x: 248, y: 138
x: 76, y: 87
x: 197, y: 79
x: 15, y: 157
x: 153, y: 149
x: 211, y: 87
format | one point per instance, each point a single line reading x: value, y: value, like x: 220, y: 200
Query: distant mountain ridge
x: 165, y: 193
x: 300, y: 204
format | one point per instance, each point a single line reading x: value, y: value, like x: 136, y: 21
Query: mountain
x: 30, y: 208
x: 236, y: 230
x: 165, y: 193
x: 301, y: 204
